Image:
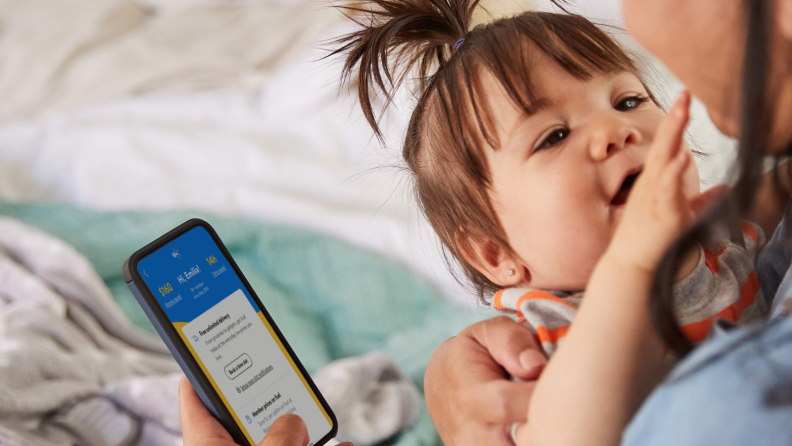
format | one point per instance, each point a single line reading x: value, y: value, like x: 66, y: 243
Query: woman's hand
x: 199, y: 427
x: 469, y: 395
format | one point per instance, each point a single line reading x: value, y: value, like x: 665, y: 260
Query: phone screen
x: 229, y: 336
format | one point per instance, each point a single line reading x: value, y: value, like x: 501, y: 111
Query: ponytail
x: 396, y: 37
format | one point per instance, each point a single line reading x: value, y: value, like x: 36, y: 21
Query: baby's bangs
x: 574, y: 43
x: 577, y: 45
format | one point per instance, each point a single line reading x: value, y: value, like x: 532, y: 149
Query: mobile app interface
x: 229, y: 336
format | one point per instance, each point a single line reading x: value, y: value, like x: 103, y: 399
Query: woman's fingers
x: 511, y: 345
x: 198, y: 425
x: 287, y: 430
x: 468, y: 396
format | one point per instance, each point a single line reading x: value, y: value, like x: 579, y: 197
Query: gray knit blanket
x: 73, y: 369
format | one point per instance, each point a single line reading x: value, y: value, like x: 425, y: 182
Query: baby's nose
x: 610, y: 138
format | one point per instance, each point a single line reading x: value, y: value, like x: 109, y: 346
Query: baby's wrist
x: 626, y: 262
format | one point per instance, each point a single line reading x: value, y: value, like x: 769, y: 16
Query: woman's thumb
x: 287, y: 430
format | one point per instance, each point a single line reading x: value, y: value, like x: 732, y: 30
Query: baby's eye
x: 630, y: 103
x: 555, y: 137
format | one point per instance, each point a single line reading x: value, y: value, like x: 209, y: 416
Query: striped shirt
x: 723, y: 285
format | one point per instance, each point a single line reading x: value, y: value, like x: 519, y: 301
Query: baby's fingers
x: 672, y: 184
x: 674, y: 175
x: 669, y: 136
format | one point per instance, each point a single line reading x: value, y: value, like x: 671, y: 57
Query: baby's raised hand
x: 657, y: 210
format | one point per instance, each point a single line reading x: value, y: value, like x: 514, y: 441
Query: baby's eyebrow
x: 540, y: 104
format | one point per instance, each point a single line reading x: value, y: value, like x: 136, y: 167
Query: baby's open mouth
x: 624, y: 191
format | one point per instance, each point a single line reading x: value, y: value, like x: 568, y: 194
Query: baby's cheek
x: 567, y: 251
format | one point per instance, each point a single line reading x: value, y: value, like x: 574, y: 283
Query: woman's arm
x: 612, y: 358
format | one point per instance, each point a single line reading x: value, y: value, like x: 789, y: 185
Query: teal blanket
x: 330, y: 299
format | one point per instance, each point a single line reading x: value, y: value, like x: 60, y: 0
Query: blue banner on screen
x: 229, y: 336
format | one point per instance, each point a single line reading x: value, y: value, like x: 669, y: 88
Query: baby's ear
x: 491, y: 259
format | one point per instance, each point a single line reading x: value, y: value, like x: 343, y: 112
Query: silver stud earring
x: 510, y: 272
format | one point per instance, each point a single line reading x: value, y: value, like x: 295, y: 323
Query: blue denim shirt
x: 736, y: 387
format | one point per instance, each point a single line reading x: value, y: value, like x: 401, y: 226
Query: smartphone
x: 221, y: 335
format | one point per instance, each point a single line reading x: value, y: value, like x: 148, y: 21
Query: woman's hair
x: 452, y: 123
x: 755, y: 128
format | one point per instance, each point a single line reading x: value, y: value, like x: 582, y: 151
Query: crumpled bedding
x: 215, y: 105
x: 71, y: 360
x: 330, y: 299
x: 57, y: 55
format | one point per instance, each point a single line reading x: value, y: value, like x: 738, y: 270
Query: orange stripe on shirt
x: 551, y: 336
x: 711, y: 258
x: 496, y: 300
x: 698, y: 331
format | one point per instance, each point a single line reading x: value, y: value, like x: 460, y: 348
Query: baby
x: 527, y: 137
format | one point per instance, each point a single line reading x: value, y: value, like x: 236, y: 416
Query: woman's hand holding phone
x: 199, y: 428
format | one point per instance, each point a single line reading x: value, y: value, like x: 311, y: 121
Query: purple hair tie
x: 459, y: 43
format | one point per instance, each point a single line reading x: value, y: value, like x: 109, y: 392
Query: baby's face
x: 562, y: 175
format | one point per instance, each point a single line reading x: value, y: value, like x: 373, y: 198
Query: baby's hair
x: 452, y: 124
